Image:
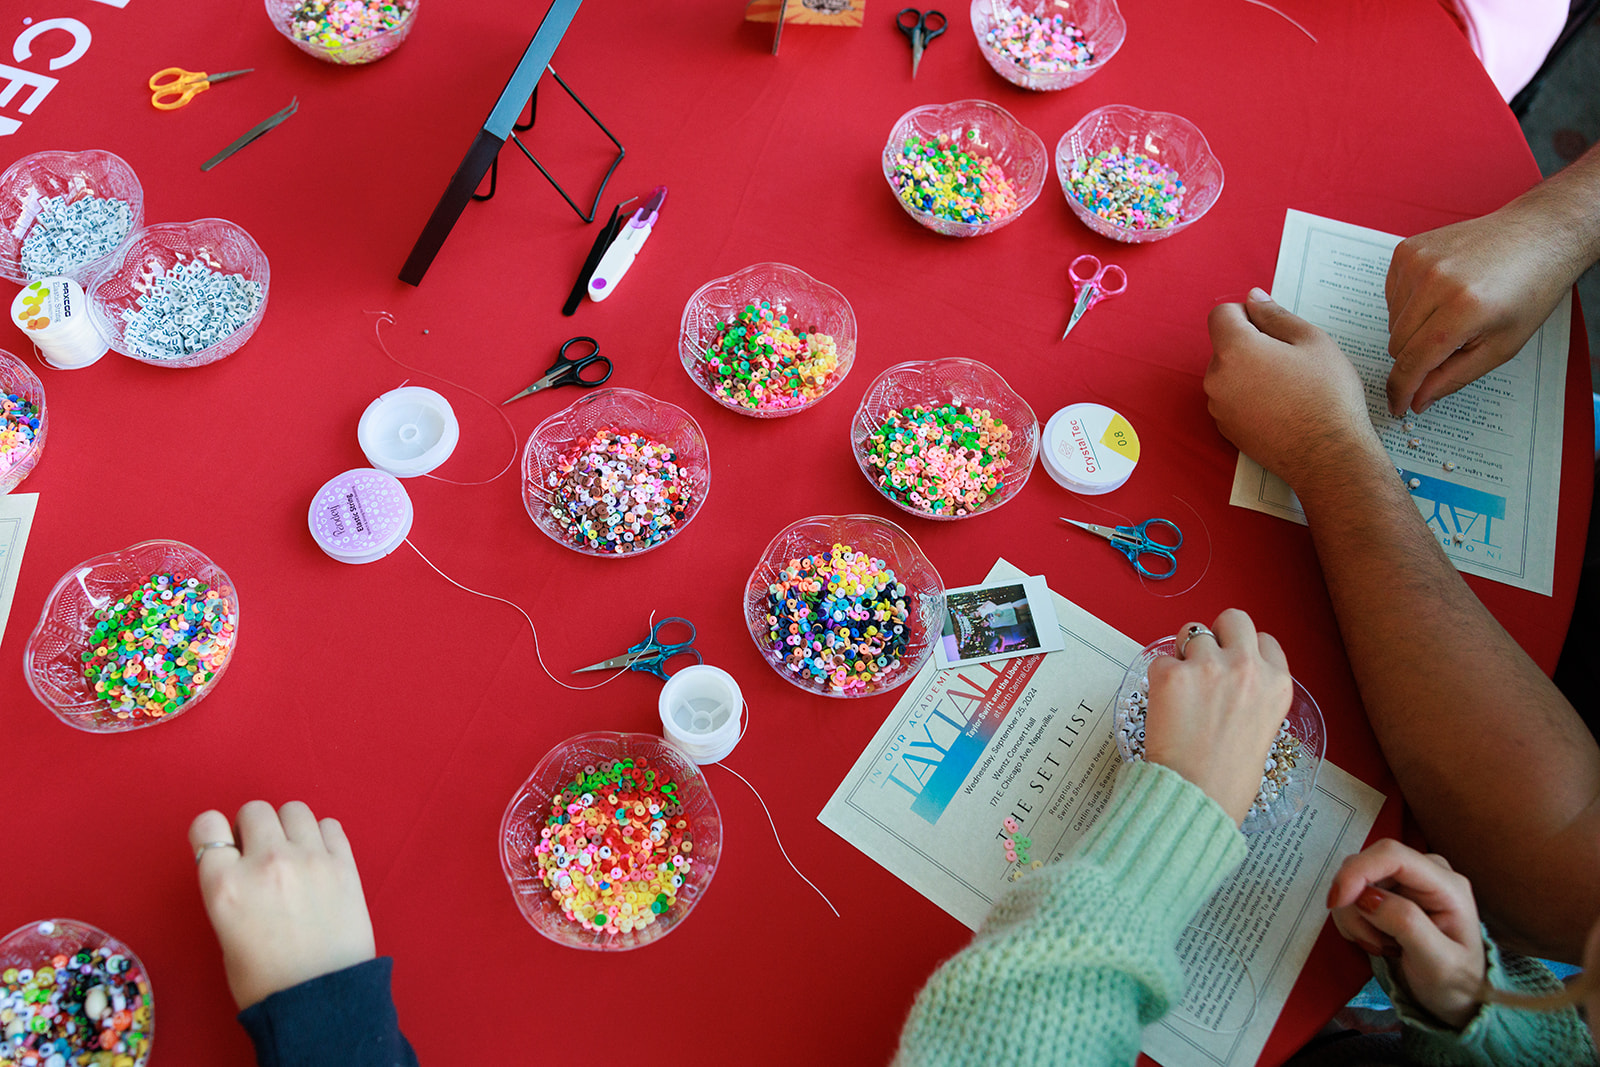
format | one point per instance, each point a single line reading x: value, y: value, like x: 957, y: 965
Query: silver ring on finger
x: 201, y: 851
x: 1194, y: 631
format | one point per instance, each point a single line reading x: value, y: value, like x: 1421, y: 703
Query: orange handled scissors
x: 174, y: 87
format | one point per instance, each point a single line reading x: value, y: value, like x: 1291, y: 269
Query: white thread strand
x: 775, y: 835
x: 1285, y: 17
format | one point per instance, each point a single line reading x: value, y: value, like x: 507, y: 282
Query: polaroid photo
x: 999, y: 621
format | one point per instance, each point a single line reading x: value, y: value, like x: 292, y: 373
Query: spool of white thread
x: 53, y: 313
x: 408, y: 431
x: 702, y: 712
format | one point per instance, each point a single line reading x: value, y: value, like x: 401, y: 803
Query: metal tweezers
x: 252, y: 133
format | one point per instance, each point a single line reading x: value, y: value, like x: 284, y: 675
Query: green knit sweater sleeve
x: 1076, y: 958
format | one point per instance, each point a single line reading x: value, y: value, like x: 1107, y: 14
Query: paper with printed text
x: 16, y: 519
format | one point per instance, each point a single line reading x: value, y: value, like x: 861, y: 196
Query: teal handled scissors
x: 921, y: 27
x: 566, y: 371
x: 1136, y: 543
x: 652, y: 653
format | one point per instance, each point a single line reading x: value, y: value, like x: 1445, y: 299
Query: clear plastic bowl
x: 611, y: 409
x: 16, y: 378
x: 880, y: 539
x: 26, y: 947
x: 222, y: 245
x: 367, y: 50
x: 530, y: 807
x: 1017, y: 150
x: 1099, y: 20
x: 932, y: 384
x: 813, y: 307
x: 52, y: 659
x: 1305, y: 723
x: 1160, y: 135
x: 73, y: 175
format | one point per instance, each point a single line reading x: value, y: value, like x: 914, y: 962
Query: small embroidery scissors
x: 922, y: 28
x: 1136, y: 543
x: 1091, y: 288
x: 174, y: 87
x: 566, y: 371
x: 652, y: 653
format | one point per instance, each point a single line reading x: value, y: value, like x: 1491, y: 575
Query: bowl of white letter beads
x: 1290, y: 772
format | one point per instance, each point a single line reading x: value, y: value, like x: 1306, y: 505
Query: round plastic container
x: 1305, y: 723
x: 623, y: 411
x: 222, y: 245
x: 935, y: 383
x: 529, y: 810
x: 408, y: 431
x: 701, y: 712
x: 74, y: 175
x: 813, y: 307
x: 361, y: 516
x: 367, y: 50
x: 1100, y: 20
x: 94, y: 961
x: 879, y: 539
x: 16, y: 380
x: 1162, y: 136
x: 1089, y: 449
x: 52, y: 659
x: 985, y: 129
x: 54, y: 314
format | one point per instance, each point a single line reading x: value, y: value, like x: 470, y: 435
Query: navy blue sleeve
x: 343, y: 1019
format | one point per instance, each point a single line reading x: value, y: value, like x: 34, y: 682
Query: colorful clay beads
x: 616, y: 848
x: 619, y: 492
x: 838, y: 620
x: 67, y: 234
x: 92, y: 1006
x: 158, y: 647
x: 1039, y: 44
x: 759, y: 361
x: 947, y: 461
x: 939, y: 178
x: 187, y: 309
x: 1128, y: 189
x: 19, y: 428
x: 338, y: 24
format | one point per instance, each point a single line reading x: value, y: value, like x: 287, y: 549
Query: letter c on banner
x: 81, y: 39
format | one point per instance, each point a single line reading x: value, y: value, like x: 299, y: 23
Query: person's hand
x: 286, y: 901
x: 1213, y: 714
x: 1465, y: 298
x: 1281, y: 390
x: 1394, y: 901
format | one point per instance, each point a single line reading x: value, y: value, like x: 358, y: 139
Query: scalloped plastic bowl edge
x: 947, y: 227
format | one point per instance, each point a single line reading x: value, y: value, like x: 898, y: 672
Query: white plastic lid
x: 1089, y: 449
x: 408, y: 431
x: 700, y: 712
x: 361, y: 516
x: 53, y: 313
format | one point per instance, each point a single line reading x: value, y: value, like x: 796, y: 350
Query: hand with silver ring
x: 1215, y: 708
x: 285, y: 901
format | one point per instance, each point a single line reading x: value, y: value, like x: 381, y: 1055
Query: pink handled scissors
x: 1094, y: 286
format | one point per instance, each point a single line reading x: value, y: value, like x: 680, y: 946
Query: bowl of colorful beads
x: 347, y: 32
x: 1137, y: 176
x: 183, y: 294
x: 22, y: 420
x: 133, y: 638
x: 944, y: 438
x: 767, y: 341
x: 611, y: 842
x: 1289, y: 774
x: 66, y: 213
x: 71, y: 993
x: 1047, y: 44
x: 616, y: 473
x: 964, y: 169
x: 844, y: 605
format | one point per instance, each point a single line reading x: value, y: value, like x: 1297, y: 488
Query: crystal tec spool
x: 53, y: 313
x: 361, y: 516
x: 1089, y: 449
x: 408, y: 431
x: 701, y: 710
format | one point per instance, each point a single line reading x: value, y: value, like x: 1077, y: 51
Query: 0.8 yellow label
x: 1120, y: 437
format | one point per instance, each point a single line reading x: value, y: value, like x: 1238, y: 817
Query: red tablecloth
x: 384, y: 696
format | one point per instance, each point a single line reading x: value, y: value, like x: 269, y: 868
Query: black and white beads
x: 186, y: 309
x: 66, y: 234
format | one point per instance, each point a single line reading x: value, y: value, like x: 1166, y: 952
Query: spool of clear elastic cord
x: 1089, y: 449
x: 361, y: 516
x: 408, y: 431
x: 701, y: 712
x: 53, y: 313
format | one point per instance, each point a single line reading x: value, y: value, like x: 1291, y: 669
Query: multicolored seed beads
x: 839, y: 620
x: 949, y: 460
x: 1128, y: 189
x: 759, y: 361
x: 158, y: 647
x: 19, y: 428
x: 616, y: 848
x: 338, y: 24
x: 1038, y: 44
x: 67, y: 234
x: 938, y: 177
x: 92, y: 1006
x: 187, y: 309
x: 619, y: 492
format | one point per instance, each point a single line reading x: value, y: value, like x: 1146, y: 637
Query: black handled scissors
x: 652, y: 653
x: 922, y: 27
x: 566, y: 371
x: 1136, y: 543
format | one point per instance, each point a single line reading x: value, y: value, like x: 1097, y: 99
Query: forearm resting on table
x: 1501, y: 774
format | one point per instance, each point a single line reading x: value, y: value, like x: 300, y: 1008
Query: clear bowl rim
x: 1085, y: 70
x: 1063, y: 152
x: 978, y: 229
